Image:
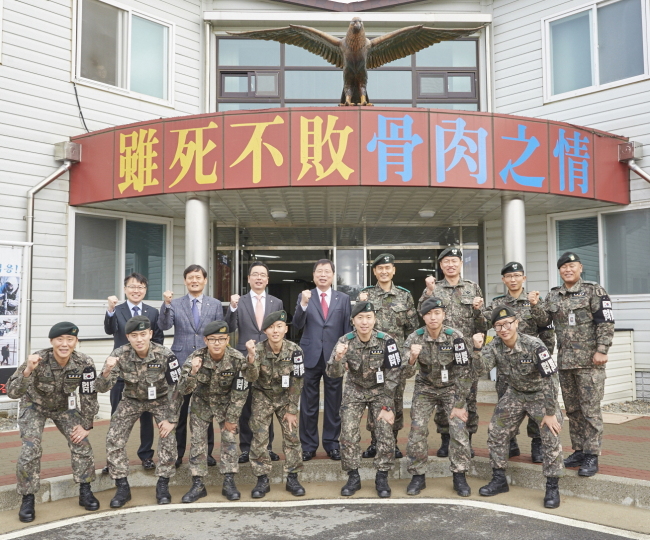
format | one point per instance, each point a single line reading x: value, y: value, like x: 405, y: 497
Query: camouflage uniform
x: 139, y: 375
x: 219, y: 392
x: 269, y: 396
x: 44, y: 394
x: 396, y: 316
x: 363, y: 362
x: 528, y: 393
x: 449, y: 350
x: 461, y: 316
x: 582, y: 382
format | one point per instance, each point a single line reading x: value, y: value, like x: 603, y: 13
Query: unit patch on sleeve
x: 461, y: 356
x: 173, y: 373
x: 392, y: 357
x: 88, y: 380
x: 547, y: 365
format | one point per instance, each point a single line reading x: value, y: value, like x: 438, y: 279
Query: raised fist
x: 250, y: 346
x: 415, y: 350
x: 112, y: 302
x: 477, y: 303
x: 32, y: 362
x: 363, y: 296
x: 306, y: 295
x: 341, y: 349
x: 167, y: 296
x: 110, y: 363
x: 478, y: 340
x: 533, y: 298
x: 234, y: 301
x: 430, y: 283
x: 196, y: 364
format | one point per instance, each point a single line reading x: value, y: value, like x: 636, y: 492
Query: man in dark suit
x: 135, y: 289
x: 249, y: 315
x: 325, y: 316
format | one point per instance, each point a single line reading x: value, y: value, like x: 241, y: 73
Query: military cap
x: 273, y: 318
x: 567, y: 257
x: 501, y: 312
x: 216, y: 327
x: 137, y: 324
x: 431, y: 303
x: 512, y: 266
x: 384, y: 258
x: 361, y: 307
x: 63, y: 329
x: 451, y: 251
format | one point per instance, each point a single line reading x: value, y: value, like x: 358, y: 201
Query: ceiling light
x: 279, y: 214
x: 427, y: 214
x: 284, y: 271
x: 419, y: 269
x: 267, y: 256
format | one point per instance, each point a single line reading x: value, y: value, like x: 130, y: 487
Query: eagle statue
x: 355, y: 53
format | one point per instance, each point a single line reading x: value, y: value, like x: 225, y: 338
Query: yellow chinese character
x: 254, y: 146
x: 312, y: 143
x: 136, y: 159
x: 188, y: 153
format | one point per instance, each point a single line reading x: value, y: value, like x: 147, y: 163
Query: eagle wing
x: 409, y: 40
x: 311, y: 39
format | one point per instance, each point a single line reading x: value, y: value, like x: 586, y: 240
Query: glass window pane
x: 313, y: 84
x: 460, y: 83
x: 248, y: 52
x: 95, y: 257
x: 392, y: 236
x: 571, y: 53
x: 448, y: 54
x: 432, y: 85
x: 620, y: 40
x: 101, y: 37
x: 400, y: 62
x: 470, y: 265
x: 149, y: 57
x: 297, y: 56
x: 235, y: 84
x: 451, y: 106
x: 246, y: 106
x: 265, y: 84
x: 470, y: 234
x: 581, y: 237
x: 145, y: 254
x: 331, y: 104
x: 409, y: 104
x: 349, y: 271
x: 390, y: 85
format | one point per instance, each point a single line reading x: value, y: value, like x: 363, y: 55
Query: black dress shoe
x: 105, y: 470
x: 370, y: 452
x: 179, y: 462
x: 273, y: 456
x: 212, y: 462
x: 334, y: 455
x: 307, y: 455
x: 148, y: 464
x: 244, y: 457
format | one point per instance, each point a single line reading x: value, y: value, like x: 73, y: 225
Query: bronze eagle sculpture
x: 355, y: 53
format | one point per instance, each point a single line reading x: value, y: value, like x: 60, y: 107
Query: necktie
x: 136, y: 311
x: 259, y: 312
x: 195, y: 313
x: 323, y: 304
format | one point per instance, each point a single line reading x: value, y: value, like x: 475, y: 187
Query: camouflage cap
x: 384, y: 258
x: 451, y: 251
x: 501, y: 312
x: 361, y: 307
x: 274, y: 317
x: 567, y: 257
x: 137, y: 324
x: 512, y: 266
x: 431, y: 303
x: 63, y: 329
x: 216, y: 327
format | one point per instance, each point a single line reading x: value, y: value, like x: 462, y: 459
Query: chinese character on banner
x: 573, y: 160
x: 254, y: 147
x: 136, y: 159
x: 193, y: 153
x: 394, y: 145
x: 312, y: 142
x: 531, y: 145
x: 463, y: 142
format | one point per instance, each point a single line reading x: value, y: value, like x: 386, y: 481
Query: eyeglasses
x: 220, y: 341
x: 510, y: 276
x: 257, y: 274
x: 137, y: 287
x: 504, y: 326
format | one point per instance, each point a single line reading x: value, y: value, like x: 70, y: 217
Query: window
x: 124, y: 50
x: 580, y: 236
x: 595, y: 47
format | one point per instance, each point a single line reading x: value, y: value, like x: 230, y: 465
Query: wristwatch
x: 385, y: 408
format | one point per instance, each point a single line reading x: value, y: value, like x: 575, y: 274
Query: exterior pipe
x: 638, y: 170
x: 513, y: 223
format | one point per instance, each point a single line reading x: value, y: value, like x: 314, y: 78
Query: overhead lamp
x: 284, y: 271
x: 427, y: 214
x: 257, y: 256
x: 279, y: 214
x: 419, y: 269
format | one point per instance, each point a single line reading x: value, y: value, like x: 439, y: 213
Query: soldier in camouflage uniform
x: 444, y: 381
x: 581, y: 312
x: 47, y: 385
x: 213, y: 375
x: 372, y: 361
x: 463, y: 300
x: 396, y: 316
x: 531, y: 374
x: 150, y: 372
x: 513, y: 277
x: 275, y: 369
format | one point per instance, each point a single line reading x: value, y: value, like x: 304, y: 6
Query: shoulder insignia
x: 350, y: 335
x: 381, y: 335
x: 420, y: 331
x: 500, y: 296
x: 449, y: 331
x: 368, y: 287
x: 403, y: 289
x: 555, y: 288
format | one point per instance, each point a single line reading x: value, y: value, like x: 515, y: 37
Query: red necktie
x: 323, y: 304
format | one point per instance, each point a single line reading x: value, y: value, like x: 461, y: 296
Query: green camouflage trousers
x: 508, y: 415
x: 425, y: 399
x: 442, y: 419
x: 199, y: 447
x: 532, y: 429
x: 28, y: 468
x: 122, y: 422
x: 582, y: 391
x: 398, y: 408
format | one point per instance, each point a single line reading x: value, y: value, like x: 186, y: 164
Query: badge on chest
x: 526, y: 359
x: 445, y: 348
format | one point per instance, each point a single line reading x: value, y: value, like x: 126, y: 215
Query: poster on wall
x: 11, y: 308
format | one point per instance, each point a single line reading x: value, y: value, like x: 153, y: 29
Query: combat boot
x: 514, y: 448
x: 371, y: 451
x: 498, y: 484
x: 460, y: 485
x: 552, y: 497
x: 443, y: 451
x: 229, y: 490
x: 589, y: 466
x: 471, y: 449
x: 261, y: 488
x: 536, y: 454
x: 162, y: 491
x: 123, y: 493
x: 353, y: 484
x: 196, y: 492
x: 417, y: 484
x: 381, y: 484
x: 293, y: 486
x: 86, y: 498
x: 574, y: 460
x: 27, y: 513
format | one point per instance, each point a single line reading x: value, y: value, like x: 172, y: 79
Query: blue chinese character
x: 461, y: 143
x: 395, y: 140
x: 531, y: 146
x: 575, y: 169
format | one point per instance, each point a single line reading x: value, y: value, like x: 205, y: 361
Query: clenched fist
x: 109, y: 365
x: 250, y: 347
x: 196, y: 364
x: 32, y: 362
x: 533, y: 298
x: 478, y: 340
x: 167, y: 296
x: 430, y: 283
x: 363, y: 296
x: 477, y: 303
x: 304, y: 300
x: 112, y: 302
x: 341, y: 349
x: 234, y: 301
x: 415, y: 352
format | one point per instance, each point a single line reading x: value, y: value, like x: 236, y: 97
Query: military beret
x: 501, y: 312
x: 273, y: 318
x: 451, y: 251
x: 431, y: 303
x: 361, y: 307
x: 63, y: 329
x: 567, y: 257
x: 512, y: 267
x: 216, y: 327
x: 137, y: 324
x: 384, y: 258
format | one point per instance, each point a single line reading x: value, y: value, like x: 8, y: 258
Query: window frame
x: 122, y: 217
x: 549, y: 97
x: 76, y: 77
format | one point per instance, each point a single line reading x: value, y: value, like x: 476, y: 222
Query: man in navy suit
x: 135, y: 289
x: 325, y: 316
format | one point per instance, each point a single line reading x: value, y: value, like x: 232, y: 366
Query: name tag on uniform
x: 572, y: 319
x: 72, y: 402
x: 380, y: 377
x: 151, y: 392
x: 285, y: 381
x: 444, y: 375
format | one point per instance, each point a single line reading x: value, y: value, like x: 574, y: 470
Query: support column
x: 513, y: 226
x: 197, y: 232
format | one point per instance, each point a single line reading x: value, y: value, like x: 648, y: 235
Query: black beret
x: 384, y: 258
x: 136, y: 324
x: 361, y: 307
x: 63, y: 329
x: 216, y: 327
x: 273, y: 318
x: 501, y: 312
x: 451, y: 251
x: 567, y: 257
x: 431, y: 303
x: 512, y: 267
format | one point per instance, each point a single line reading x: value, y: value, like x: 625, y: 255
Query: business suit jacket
x: 244, y: 319
x: 320, y: 335
x: 115, y: 325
